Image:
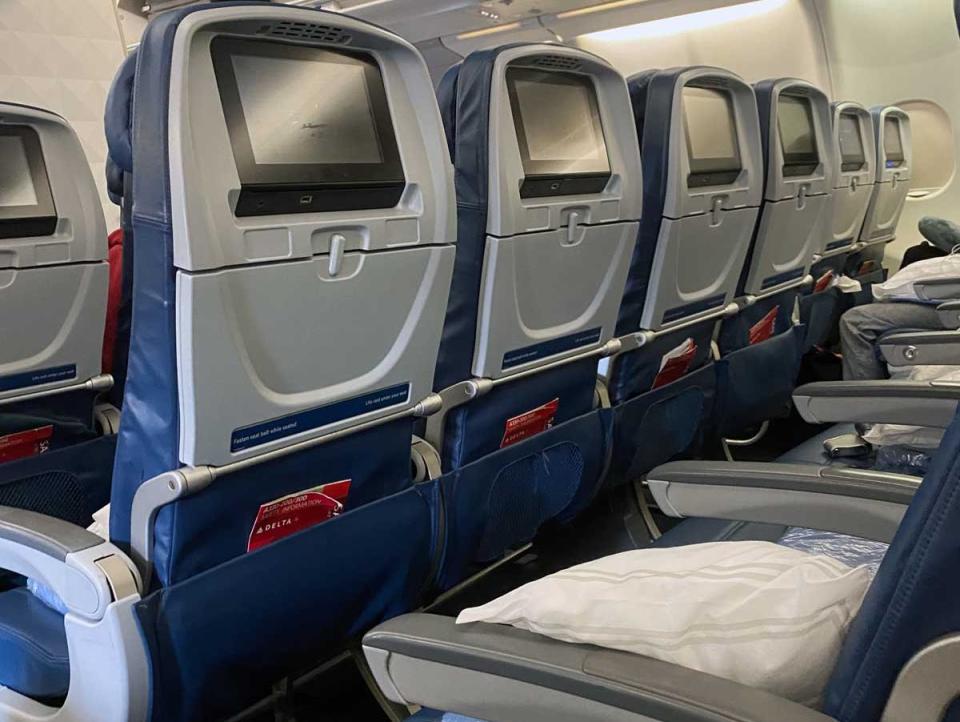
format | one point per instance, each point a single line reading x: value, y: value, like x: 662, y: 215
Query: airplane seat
x: 53, y: 286
x: 893, y: 150
x: 548, y: 201
x: 891, y: 665
x: 273, y: 382
x: 292, y: 355
x: 854, y: 173
x: 763, y: 341
x: 702, y: 188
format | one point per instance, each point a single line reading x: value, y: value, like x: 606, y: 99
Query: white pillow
x: 752, y: 612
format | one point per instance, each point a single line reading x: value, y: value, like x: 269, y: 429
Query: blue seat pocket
x: 819, y: 312
x: 664, y: 423
x: 219, y: 640
x: 499, y: 502
x: 755, y: 383
x: 70, y: 483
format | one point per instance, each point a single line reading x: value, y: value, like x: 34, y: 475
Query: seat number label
x: 295, y: 512
x: 530, y: 423
x: 23, y: 444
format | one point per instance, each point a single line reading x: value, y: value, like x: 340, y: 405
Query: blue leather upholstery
x: 316, y: 589
x: 913, y: 598
x: 698, y: 531
x: 33, y: 646
x: 426, y: 715
x: 496, y: 498
x: 811, y: 451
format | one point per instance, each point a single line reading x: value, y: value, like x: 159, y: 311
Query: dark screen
x: 851, y: 142
x: 797, y: 136
x: 558, y: 122
x: 26, y: 202
x: 892, y: 142
x: 711, y: 135
x: 304, y: 118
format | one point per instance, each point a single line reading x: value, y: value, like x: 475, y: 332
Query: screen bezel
x: 557, y: 177
x: 39, y: 219
x: 799, y: 164
x: 285, y: 180
x: 899, y: 159
x: 709, y: 172
x: 849, y: 163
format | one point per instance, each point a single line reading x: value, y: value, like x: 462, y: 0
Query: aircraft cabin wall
x: 907, y: 52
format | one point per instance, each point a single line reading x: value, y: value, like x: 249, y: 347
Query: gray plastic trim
x: 927, y: 685
x: 891, y: 185
x: 852, y: 190
x: 508, y: 214
x: 938, y: 289
x: 51, y: 536
x: 103, y: 382
x: 949, y: 313
x: 501, y: 673
x: 917, y: 403
x: 922, y: 348
x: 812, y: 478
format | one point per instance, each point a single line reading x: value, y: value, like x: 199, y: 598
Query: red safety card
x: 289, y: 514
x: 823, y: 283
x: 530, y: 423
x: 22, y: 444
x: 763, y: 329
x: 675, y: 363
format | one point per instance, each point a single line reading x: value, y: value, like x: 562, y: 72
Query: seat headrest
x: 116, y: 117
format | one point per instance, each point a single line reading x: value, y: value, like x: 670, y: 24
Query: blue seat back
x: 913, y: 599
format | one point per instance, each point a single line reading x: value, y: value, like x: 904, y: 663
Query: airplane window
x: 558, y: 122
x: 933, y: 151
x: 26, y: 204
x: 711, y: 137
x: 797, y: 137
x: 851, y: 143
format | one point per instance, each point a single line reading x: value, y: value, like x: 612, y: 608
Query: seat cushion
x: 33, y: 646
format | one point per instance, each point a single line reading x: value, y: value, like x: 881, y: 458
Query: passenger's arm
x: 916, y: 403
x: 503, y: 674
x: 860, y: 502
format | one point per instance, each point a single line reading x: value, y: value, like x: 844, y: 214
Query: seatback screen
x: 797, y: 136
x: 892, y: 143
x: 303, y: 118
x: 711, y: 135
x: 26, y: 203
x: 851, y: 143
x: 559, y: 132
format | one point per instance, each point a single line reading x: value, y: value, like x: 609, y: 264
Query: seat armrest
x: 949, y: 313
x: 860, y: 502
x: 915, y: 403
x: 938, y: 289
x: 503, y: 674
x: 86, y: 572
x: 921, y: 348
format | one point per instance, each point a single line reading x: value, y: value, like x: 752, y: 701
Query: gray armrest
x: 502, y: 674
x: 86, y: 572
x: 938, y: 289
x: 860, y: 502
x: 916, y: 403
x: 921, y: 348
x: 46, y: 534
x: 949, y: 313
